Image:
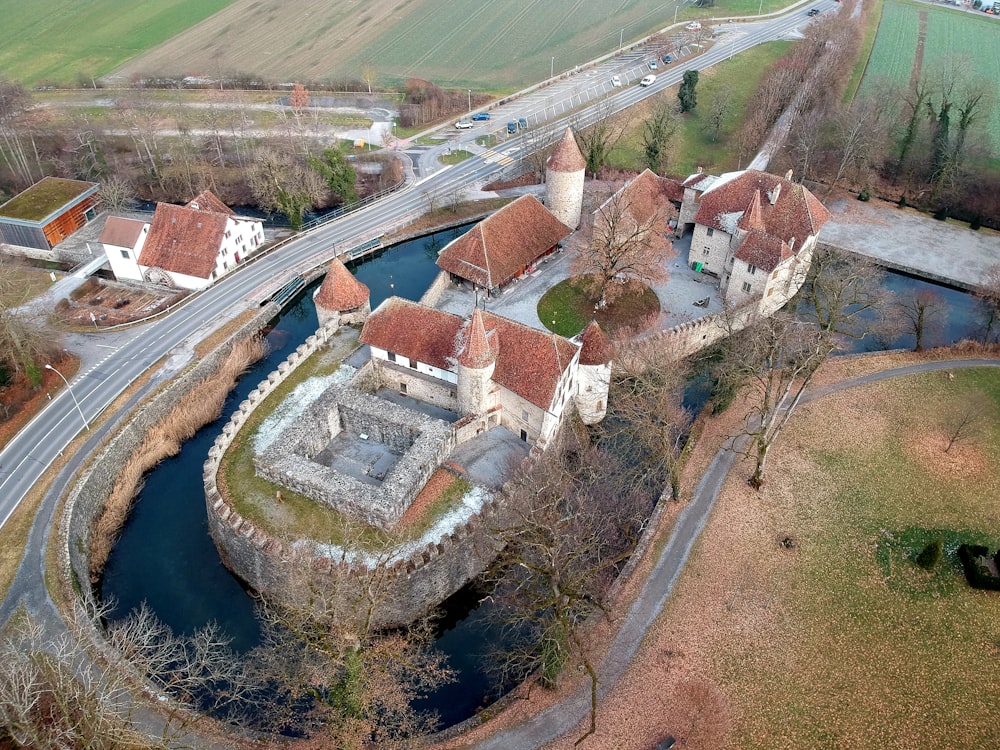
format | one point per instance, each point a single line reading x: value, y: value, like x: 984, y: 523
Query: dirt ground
x: 100, y: 303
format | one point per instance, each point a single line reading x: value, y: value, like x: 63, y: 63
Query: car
x: 522, y: 123
x: 813, y: 12
x: 616, y: 81
x: 693, y: 26
x: 652, y: 64
x: 667, y: 59
x: 512, y: 126
x: 481, y: 116
x: 463, y: 124
x: 648, y: 81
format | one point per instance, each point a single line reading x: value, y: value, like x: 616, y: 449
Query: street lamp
x: 552, y: 67
x: 760, y: 8
x: 621, y: 38
x: 70, y: 389
x: 470, y: 92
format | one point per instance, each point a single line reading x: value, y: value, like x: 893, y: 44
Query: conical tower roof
x: 477, y: 353
x: 340, y: 291
x: 566, y: 156
x: 596, y: 348
x: 752, y: 218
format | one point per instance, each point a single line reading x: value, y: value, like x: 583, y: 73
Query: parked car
x: 616, y: 81
x: 648, y: 81
x: 652, y: 64
x: 463, y: 124
x: 667, y: 59
x: 693, y: 26
x: 512, y: 126
x: 522, y: 123
x: 481, y: 116
x: 813, y: 12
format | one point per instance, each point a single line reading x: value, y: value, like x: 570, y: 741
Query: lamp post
x: 552, y: 67
x: 760, y: 8
x: 621, y: 39
x: 677, y: 7
x: 470, y: 92
x: 70, y: 389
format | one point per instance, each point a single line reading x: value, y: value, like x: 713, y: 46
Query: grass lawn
x: 455, y: 157
x: 63, y: 41
x: 693, y: 147
x: 568, y: 307
x: 842, y: 640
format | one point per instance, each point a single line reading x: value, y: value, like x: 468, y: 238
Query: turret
x: 564, y: 176
x: 341, y: 297
x: 475, y: 368
x: 594, y: 374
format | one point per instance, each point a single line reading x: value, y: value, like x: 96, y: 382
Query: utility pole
x: 552, y: 68
x: 70, y: 389
x: 621, y: 37
x: 470, y: 93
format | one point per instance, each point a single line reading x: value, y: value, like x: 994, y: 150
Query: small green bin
x: 697, y: 266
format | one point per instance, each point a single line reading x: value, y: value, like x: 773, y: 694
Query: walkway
x: 564, y: 717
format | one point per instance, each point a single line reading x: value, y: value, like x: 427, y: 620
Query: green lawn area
x: 843, y: 641
x: 970, y: 40
x: 21, y: 283
x: 61, y: 41
x: 569, y: 306
x: 456, y: 156
x: 693, y: 147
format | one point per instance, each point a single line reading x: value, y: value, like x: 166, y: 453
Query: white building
x: 187, y: 247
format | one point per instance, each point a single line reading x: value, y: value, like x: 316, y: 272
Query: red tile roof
x: 415, y: 331
x: 595, y: 346
x: 500, y: 247
x: 566, y: 156
x: 763, y: 250
x: 121, y: 232
x: 788, y: 211
x: 340, y: 290
x: 207, y: 201
x: 752, y: 218
x: 477, y: 352
x: 648, y: 193
x: 529, y: 361
x: 183, y: 240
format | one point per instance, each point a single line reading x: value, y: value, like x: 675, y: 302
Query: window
x: 524, y: 436
x: 746, y: 287
x: 706, y: 251
x: 709, y: 231
x: 524, y: 414
x: 751, y: 269
x: 413, y: 364
x: 89, y: 214
x: 402, y: 387
x: 390, y: 356
x: 228, y: 233
x: 125, y: 254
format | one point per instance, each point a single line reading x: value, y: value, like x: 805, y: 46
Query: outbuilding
x: 48, y: 212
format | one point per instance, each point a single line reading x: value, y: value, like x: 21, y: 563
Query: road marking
x: 492, y: 157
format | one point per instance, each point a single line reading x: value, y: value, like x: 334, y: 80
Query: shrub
x: 902, y: 201
x: 930, y: 555
x: 976, y: 573
x: 864, y: 195
x: 976, y: 223
x: 941, y: 214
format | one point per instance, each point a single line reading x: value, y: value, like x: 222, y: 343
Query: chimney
x: 791, y: 244
x: 773, y: 194
x: 194, y: 205
x: 788, y: 175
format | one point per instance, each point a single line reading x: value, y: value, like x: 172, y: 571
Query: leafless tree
x: 117, y: 194
x: 969, y: 422
x: 629, y: 245
x: 569, y: 524
x: 25, y: 343
x: 718, y: 110
x: 283, y: 181
x: 920, y: 315
x: 859, y: 134
x: 843, y: 295
x: 14, y: 103
x: 987, y: 294
x: 599, y: 139
x: 657, y: 133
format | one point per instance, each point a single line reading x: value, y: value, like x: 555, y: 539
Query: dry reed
x: 199, y: 406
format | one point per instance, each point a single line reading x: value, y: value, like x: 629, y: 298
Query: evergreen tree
x: 687, y: 94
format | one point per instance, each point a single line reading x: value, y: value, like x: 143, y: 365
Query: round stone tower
x: 475, y: 368
x: 564, y: 173
x: 341, y: 297
x: 594, y: 374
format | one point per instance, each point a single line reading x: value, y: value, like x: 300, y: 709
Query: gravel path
x: 563, y: 717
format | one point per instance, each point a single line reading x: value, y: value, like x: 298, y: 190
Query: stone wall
x: 433, y: 294
x: 420, y: 386
x: 422, y: 441
x: 691, y: 337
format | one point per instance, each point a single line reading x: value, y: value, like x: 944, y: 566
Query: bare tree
x: 987, y: 294
x: 25, y: 344
x: 569, y: 524
x: 859, y: 134
x: 284, y: 182
x: 117, y: 194
x: 629, y: 245
x: 14, y: 103
x: 599, y: 139
x: 369, y: 75
x: 718, y: 110
x: 657, y: 133
x: 968, y: 423
x: 843, y: 295
x: 920, y: 314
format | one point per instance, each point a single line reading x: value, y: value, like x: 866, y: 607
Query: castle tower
x: 475, y: 368
x: 341, y: 297
x: 564, y: 174
x: 594, y: 374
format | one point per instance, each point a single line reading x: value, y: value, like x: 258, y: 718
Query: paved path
x: 564, y: 717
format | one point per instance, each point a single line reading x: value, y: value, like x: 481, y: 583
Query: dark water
x: 166, y: 557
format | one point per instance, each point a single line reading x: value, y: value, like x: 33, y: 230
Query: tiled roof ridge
x: 477, y: 353
x: 341, y: 289
x: 752, y: 218
x: 566, y: 156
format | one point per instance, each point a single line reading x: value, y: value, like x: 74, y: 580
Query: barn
x: 48, y: 212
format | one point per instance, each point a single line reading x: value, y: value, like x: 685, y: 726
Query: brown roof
x: 477, y: 352
x: 121, y: 232
x: 416, y: 331
x: 500, y: 247
x: 788, y: 211
x: 752, y: 218
x: 566, y: 156
x: 183, y: 240
x: 340, y: 289
x: 763, y: 250
x: 647, y: 194
x: 529, y: 361
x: 207, y: 201
x: 595, y: 348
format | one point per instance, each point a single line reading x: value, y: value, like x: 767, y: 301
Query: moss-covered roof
x: 43, y: 198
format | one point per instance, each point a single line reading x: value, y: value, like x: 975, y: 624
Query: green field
x: 497, y: 46
x: 63, y: 41
x: 970, y: 41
